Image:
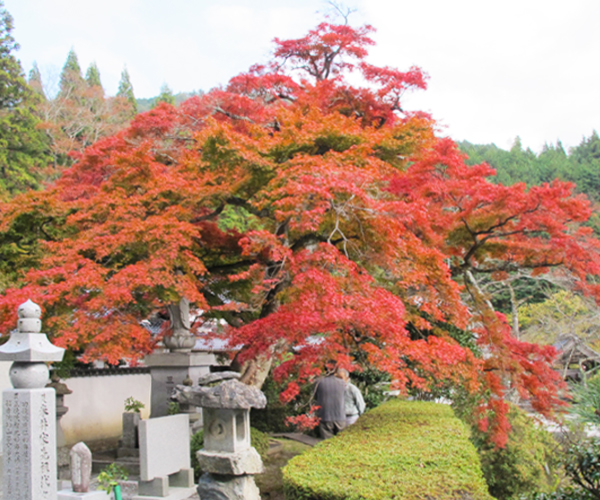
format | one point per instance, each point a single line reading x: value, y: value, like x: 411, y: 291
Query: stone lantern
x: 228, y: 459
x: 29, y: 430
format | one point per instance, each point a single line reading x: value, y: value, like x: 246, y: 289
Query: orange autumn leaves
x: 315, y: 218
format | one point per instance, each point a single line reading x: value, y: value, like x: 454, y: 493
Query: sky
x: 497, y: 70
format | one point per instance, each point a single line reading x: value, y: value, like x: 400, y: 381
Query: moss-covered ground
x: 271, y: 482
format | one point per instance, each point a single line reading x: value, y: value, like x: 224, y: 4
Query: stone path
x: 297, y: 436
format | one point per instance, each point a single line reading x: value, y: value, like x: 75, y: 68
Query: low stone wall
x: 97, y: 403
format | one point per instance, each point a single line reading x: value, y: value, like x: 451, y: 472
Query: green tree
x: 35, y: 80
x: 70, y: 76
x: 553, y: 163
x: 166, y: 95
x: 92, y: 76
x: 585, y: 166
x: 126, y: 91
x: 563, y: 313
x: 23, y: 147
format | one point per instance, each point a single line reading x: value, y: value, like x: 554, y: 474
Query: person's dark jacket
x: 329, y: 395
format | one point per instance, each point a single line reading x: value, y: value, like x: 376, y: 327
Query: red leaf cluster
x: 317, y: 219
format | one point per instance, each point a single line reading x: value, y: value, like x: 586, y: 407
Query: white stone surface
x: 229, y: 487
x: 88, y: 495
x: 174, y: 494
x: 226, y: 430
x: 164, y: 446
x: 29, y: 444
x: 81, y: 467
x: 231, y: 464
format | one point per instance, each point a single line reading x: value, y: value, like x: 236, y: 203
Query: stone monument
x: 180, y: 363
x: 29, y: 433
x: 228, y: 460
x: 128, y: 444
x: 81, y: 472
x: 165, y: 469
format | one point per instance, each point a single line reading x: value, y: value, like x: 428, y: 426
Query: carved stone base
x: 234, y: 464
x: 217, y: 487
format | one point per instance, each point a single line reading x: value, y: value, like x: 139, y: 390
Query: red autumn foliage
x: 317, y: 219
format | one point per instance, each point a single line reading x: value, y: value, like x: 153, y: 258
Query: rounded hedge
x: 400, y: 450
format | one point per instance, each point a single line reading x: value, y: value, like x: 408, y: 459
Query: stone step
x: 102, y: 459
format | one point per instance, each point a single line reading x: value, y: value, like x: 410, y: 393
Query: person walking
x: 354, y: 404
x: 329, y: 395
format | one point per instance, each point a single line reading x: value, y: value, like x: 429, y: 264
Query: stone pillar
x: 62, y: 450
x: 228, y: 460
x: 170, y: 369
x: 29, y: 430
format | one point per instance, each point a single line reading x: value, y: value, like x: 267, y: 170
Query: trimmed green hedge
x: 400, y: 450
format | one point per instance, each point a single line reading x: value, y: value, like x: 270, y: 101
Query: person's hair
x: 343, y: 373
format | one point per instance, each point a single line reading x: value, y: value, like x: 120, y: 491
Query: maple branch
x: 230, y: 267
x: 211, y: 215
x: 240, y: 202
x: 341, y: 10
x: 219, y: 109
x: 271, y: 125
x: 310, y: 239
x: 511, y: 267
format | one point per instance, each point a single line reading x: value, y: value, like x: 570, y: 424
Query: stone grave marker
x: 165, y: 468
x: 81, y: 472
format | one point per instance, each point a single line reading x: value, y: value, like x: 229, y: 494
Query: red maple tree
x: 317, y: 218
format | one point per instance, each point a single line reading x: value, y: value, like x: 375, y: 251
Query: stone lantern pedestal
x: 29, y: 431
x: 228, y: 459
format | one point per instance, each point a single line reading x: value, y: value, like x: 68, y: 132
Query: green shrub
x: 399, y: 450
x: 196, y: 444
x: 258, y: 439
x: 586, y: 400
x: 581, y: 462
x: 373, y: 385
x: 525, y: 465
x: 272, y: 418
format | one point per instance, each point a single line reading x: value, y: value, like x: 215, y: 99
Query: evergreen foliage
x: 581, y: 165
x: 166, y: 95
x: 23, y: 147
x: 126, y: 91
x: 35, y: 80
x: 586, y: 399
x: 92, y: 76
x: 70, y: 76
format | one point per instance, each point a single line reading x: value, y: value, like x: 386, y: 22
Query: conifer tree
x: 126, y: 90
x: 35, y: 80
x: 23, y: 147
x: 70, y: 76
x: 166, y: 95
x: 92, y: 76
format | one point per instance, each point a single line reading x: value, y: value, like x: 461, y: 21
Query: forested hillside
x: 580, y: 165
